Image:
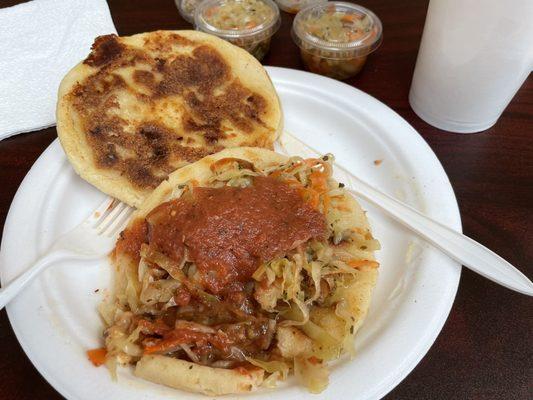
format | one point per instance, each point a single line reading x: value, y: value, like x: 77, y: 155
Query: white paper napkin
x: 40, y: 41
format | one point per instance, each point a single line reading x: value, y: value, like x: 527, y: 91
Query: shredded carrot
x: 326, y: 200
x: 250, y: 25
x: 158, y: 327
x: 275, y: 174
x: 342, y: 207
x: 319, y: 181
x: 209, y: 12
x: 242, y: 370
x: 278, y: 172
x: 296, y: 184
x: 354, y: 35
x: 224, y: 162
x: 363, y: 263
x: 173, y: 339
x: 294, y: 166
x: 350, y: 17
x: 310, y: 196
x: 97, y: 356
x: 162, y: 346
x: 314, y: 360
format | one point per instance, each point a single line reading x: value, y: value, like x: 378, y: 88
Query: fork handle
x: 14, y: 287
x: 458, y: 246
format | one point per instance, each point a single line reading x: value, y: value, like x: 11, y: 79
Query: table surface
x: 486, y: 347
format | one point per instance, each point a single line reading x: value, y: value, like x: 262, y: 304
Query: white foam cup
x: 473, y: 58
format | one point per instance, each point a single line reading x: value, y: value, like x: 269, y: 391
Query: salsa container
x: 336, y: 38
x: 249, y: 24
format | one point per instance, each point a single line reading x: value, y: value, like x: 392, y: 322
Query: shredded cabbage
x: 297, y: 287
x: 325, y: 346
x: 160, y: 291
x: 312, y: 372
x: 278, y: 371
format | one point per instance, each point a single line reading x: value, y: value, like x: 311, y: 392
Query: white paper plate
x: 55, y: 319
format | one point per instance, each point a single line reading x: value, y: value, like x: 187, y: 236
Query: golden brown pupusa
x: 139, y: 107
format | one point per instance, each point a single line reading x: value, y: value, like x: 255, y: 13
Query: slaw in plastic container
x: 335, y: 38
x: 249, y: 24
x: 293, y: 6
x: 186, y: 8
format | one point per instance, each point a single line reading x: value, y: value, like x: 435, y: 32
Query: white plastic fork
x: 461, y: 248
x: 92, y: 239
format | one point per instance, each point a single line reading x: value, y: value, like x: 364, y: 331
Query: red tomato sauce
x: 228, y: 232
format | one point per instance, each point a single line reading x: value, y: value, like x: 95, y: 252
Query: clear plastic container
x: 249, y: 24
x: 335, y: 38
x: 293, y: 6
x: 187, y: 8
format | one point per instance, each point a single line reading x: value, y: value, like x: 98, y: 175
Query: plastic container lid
x: 187, y: 8
x: 354, y: 31
x: 293, y: 6
x: 252, y: 20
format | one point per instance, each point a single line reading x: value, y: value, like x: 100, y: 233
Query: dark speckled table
x: 485, y: 350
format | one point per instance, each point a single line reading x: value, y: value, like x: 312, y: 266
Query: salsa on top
x: 228, y: 232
